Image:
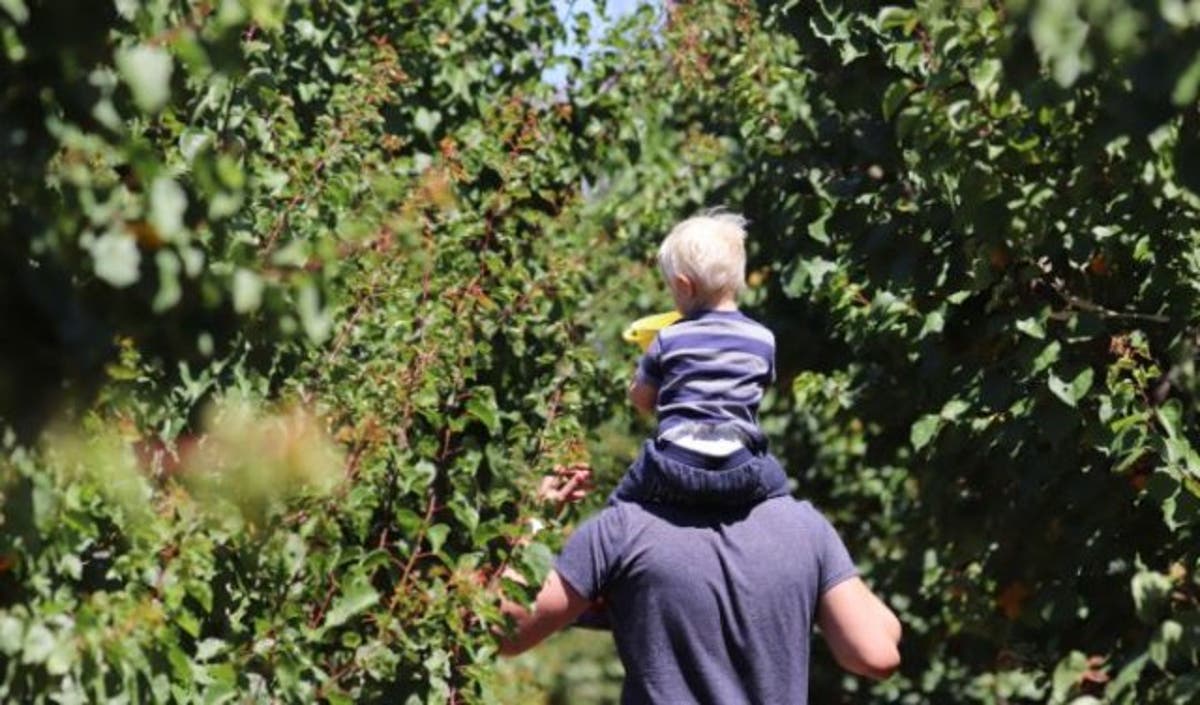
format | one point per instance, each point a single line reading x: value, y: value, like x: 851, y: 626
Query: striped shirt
x: 710, y: 367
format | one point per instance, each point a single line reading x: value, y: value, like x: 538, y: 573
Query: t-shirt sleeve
x: 832, y: 557
x: 592, y: 553
x: 649, y: 369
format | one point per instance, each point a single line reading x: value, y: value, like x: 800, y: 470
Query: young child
x: 704, y: 377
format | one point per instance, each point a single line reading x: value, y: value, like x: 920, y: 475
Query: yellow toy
x: 643, y: 330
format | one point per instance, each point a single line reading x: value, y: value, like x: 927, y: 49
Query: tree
x: 975, y: 237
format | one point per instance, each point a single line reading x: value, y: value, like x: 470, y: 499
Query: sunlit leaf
x: 147, y: 70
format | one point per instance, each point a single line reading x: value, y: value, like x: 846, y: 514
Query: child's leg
x: 773, y: 481
x: 683, y: 476
x: 638, y: 483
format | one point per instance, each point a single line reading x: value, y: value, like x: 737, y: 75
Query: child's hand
x: 567, y: 485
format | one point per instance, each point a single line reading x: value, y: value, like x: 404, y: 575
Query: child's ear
x: 684, y: 286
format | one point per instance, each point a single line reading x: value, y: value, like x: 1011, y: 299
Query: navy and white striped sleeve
x: 649, y: 371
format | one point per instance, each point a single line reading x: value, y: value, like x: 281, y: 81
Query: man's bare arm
x: 557, y: 606
x: 861, y: 631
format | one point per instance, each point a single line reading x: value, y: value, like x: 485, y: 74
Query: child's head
x: 704, y: 260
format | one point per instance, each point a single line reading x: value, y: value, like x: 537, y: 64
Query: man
x: 714, y: 605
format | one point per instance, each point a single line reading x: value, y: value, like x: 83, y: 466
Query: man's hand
x: 567, y: 485
x: 557, y: 606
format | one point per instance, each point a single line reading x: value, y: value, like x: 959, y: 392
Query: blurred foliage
x: 575, y: 666
x: 301, y: 298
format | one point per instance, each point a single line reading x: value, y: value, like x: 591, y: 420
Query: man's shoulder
x: 624, y: 513
x: 628, y: 517
x: 613, y: 521
x: 792, y: 505
x: 797, y: 511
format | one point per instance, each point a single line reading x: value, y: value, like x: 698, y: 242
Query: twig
x: 1081, y: 304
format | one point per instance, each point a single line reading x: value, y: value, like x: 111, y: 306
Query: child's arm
x: 643, y: 396
x: 643, y: 390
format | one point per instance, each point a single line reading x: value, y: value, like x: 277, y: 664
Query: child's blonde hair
x: 709, y: 249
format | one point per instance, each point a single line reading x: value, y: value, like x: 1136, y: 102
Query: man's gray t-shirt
x: 709, y: 606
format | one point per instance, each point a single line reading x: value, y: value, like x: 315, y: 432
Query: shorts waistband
x: 696, y: 459
x: 708, y: 431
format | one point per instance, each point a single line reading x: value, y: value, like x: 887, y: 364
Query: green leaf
x: 1082, y: 384
x: 1070, y: 393
x: 1188, y: 84
x: 1164, y: 642
x: 816, y: 229
x: 11, y: 632
x: 61, y: 658
x: 807, y: 274
x: 193, y: 141
x: 247, y: 291
x: 188, y: 623
x: 1170, y: 416
x: 426, y: 120
x: 1031, y: 327
x: 356, y: 598
x: 894, y: 97
x: 924, y: 430
x: 1061, y: 389
x: 1150, y: 592
x: 147, y: 71
x: 39, y: 643
x: 953, y: 409
x: 437, y: 536
x: 935, y: 322
x: 1060, y: 36
x: 128, y: 8
x: 317, y: 321
x: 208, y: 648
x: 16, y: 9
x: 1127, y: 679
x: 1067, y: 674
x: 168, y: 203
x: 71, y: 566
x: 890, y: 17
x: 193, y: 261
x: 537, y: 559
x: 986, y: 77
x: 116, y: 259
x: 201, y: 591
x: 1047, y: 357
x: 169, y: 291
x: 482, y: 405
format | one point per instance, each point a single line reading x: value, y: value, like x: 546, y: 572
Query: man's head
x: 704, y: 260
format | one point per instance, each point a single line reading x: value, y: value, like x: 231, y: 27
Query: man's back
x: 709, y: 607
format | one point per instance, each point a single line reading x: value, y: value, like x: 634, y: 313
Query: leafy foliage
x: 308, y: 273
x: 975, y: 234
